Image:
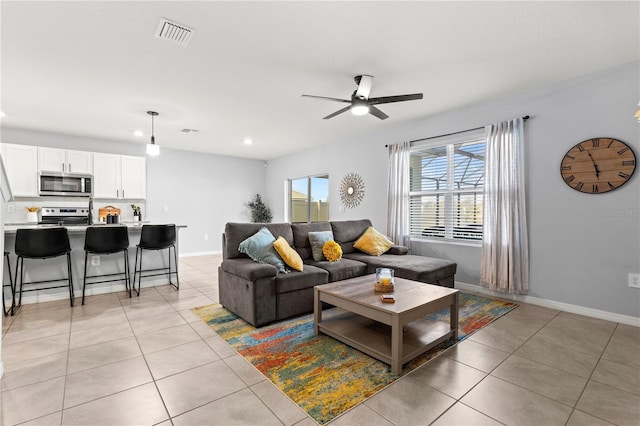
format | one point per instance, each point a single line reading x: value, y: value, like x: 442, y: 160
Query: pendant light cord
x: 153, y: 138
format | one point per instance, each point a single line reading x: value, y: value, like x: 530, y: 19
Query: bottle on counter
x: 90, y: 218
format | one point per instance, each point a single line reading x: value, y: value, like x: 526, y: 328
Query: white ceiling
x: 94, y: 68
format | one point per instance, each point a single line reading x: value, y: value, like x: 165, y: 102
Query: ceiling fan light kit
x: 362, y: 104
x: 360, y: 108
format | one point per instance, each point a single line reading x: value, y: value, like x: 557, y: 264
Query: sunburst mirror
x: 351, y: 190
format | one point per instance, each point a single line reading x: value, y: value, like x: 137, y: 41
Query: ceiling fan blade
x: 364, y: 86
x: 329, y: 99
x: 375, y: 111
x: 398, y: 98
x: 345, y: 109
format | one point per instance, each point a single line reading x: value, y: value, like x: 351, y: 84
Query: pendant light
x: 152, y: 148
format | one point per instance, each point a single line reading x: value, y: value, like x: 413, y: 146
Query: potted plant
x: 137, y: 214
x: 260, y: 213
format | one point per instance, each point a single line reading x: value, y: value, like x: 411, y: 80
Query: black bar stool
x: 42, y: 244
x: 10, y: 285
x: 156, y: 237
x: 104, y: 240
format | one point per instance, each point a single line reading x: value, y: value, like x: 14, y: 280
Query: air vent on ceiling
x: 173, y: 32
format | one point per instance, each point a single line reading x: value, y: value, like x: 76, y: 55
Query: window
x: 446, y: 188
x: 309, y: 199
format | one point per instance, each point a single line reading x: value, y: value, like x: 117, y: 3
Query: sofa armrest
x: 399, y: 250
x: 248, y: 269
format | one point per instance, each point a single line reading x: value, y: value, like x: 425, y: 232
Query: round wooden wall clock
x: 598, y: 165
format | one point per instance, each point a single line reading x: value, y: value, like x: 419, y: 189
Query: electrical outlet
x: 634, y: 280
x: 165, y: 209
x: 206, y: 237
x: 95, y: 260
x: 11, y: 208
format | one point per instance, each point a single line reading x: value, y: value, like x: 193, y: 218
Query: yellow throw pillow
x: 332, y: 251
x: 288, y: 254
x: 373, y: 242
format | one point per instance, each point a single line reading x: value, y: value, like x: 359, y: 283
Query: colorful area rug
x: 323, y: 376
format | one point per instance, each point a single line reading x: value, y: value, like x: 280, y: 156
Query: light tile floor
x: 148, y: 360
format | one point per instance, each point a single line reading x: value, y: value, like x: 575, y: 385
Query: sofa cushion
x: 317, y: 240
x: 294, y: 280
x: 332, y: 251
x: 373, y: 242
x: 345, y: 232
x: 301, y: 236
x: 412, y: 267
x: 248, y: 269
x: 259, y: 247
x: 342, y: 270
x: 399, y: 250
x: 235, y: 233
x: 289, y: 255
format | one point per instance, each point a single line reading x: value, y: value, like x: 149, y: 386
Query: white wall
x: 582, y: 246
x: 336, y: 160
x: 201, y: 191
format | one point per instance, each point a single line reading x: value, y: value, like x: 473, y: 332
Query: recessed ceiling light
x: 2, y: 114
x: 248, y: 141
x: 138, y: 133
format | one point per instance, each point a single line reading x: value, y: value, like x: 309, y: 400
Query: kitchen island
x: 36, y: 270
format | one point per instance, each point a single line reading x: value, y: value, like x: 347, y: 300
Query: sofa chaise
x: 260, y: 294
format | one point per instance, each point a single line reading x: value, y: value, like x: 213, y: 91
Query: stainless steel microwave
x: 66, y: 184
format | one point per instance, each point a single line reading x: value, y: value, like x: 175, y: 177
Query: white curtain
x: 505, y: 248
x: 398, y: 193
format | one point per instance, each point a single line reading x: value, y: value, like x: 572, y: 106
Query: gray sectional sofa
x: 259, y: 294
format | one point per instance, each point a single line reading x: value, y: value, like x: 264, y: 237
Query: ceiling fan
x: 362, y: 104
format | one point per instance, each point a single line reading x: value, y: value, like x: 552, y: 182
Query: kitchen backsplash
x: 15, y: 211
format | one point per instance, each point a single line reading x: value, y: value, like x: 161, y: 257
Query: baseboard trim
x: 200, y: 253
x: 552, y: 304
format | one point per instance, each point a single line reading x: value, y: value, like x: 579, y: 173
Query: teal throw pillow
x: 317, y: 240
x: 259, y: 247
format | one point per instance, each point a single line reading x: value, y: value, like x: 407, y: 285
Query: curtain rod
x: 525, y: 118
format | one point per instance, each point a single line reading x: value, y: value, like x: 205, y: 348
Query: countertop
x: 10, y: 228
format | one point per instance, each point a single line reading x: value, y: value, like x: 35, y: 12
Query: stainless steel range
x: 65, y: 215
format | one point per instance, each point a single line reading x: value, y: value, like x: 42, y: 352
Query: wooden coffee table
x: 394, y: 333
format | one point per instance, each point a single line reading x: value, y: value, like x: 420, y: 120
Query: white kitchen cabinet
x: 80, y: 162
x: 106, y: 175
x: 119, y: 176
x: 21, y: 164
x: 134, y: 177
x: 60, y: 160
